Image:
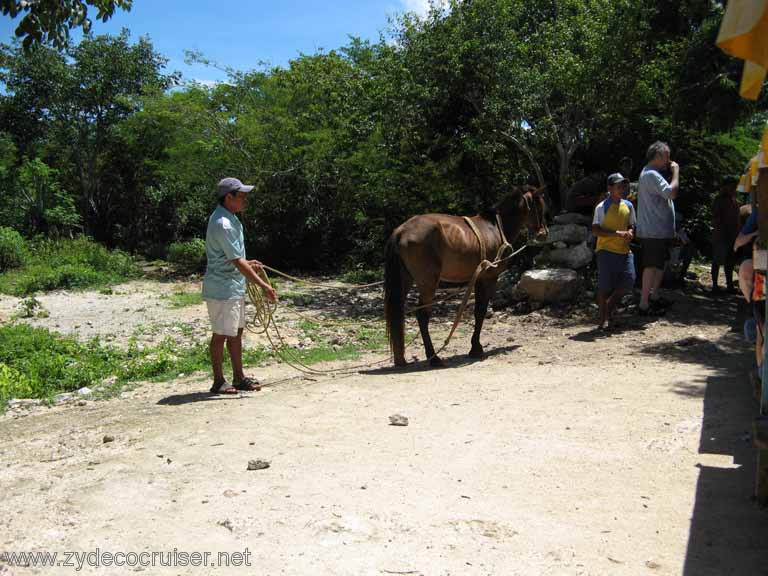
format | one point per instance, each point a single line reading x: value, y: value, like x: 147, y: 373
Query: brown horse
x: 433, y: 247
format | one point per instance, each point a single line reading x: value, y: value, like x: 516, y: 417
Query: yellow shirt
x: 614, y: 216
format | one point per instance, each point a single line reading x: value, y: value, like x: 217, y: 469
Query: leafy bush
x: 13, y: 384
x: 189, y: 255
x: 35, y: 363
x: 12, y: 249
x: 38, y: 364
x: 360, y: 274
x: 74, y: 263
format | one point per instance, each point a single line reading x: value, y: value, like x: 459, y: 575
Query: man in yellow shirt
x: 613, y: 225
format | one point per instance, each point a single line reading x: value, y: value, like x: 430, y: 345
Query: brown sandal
x: 223, y: 387
x: 248, y: 385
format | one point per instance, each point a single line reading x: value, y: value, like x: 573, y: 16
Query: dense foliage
x: 68, y: 263
x: 445, y: 113
x: 49, y: 21
x: 12, y: 249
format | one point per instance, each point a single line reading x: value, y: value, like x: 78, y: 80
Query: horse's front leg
x: 483, y: 291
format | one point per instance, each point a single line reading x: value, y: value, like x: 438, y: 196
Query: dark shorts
x: 655, y: 252
x: 615, y: 271
x: 722, y: 252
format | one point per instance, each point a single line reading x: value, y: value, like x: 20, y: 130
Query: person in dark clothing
x: 725, y: 229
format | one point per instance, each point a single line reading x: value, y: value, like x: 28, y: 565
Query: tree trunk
x: 565, y: 154
x: 527, y: 151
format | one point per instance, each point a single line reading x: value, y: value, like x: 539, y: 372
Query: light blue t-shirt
x: 655, y: 208
x: 224, y: 242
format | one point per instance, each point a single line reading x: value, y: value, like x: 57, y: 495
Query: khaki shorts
x: 227, y: 316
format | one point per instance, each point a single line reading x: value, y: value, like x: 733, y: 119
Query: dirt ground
x: 565, y: 452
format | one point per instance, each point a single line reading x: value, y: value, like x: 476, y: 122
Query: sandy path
x: 561, y: 454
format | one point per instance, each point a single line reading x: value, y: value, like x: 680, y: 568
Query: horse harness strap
x: 479, y: 238
x: 504, y: 242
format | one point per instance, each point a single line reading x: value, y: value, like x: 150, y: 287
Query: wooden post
x: 762, y: 198
x: 761, y: 480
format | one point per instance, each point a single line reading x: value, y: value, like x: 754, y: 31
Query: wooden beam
x: 762, y: 198
x: 761, y: 482
x: 760, y: 432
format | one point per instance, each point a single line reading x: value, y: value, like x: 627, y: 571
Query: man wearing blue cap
x: 613, y: 225
x: 224, y: 285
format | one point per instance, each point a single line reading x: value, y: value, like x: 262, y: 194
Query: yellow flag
x: 744, y: 34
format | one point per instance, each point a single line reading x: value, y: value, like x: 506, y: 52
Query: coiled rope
x: 264, y: 313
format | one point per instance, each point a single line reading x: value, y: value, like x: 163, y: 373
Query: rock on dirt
x: 398, y: 420
x: 555, y: 285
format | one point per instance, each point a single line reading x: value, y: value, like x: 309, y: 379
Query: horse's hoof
x: 436, y: 362
x: 477, y: 353
x: 400, y: 363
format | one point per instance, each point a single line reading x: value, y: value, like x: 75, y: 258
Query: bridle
x: 534, y: 205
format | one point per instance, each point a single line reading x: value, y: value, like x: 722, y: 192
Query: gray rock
x: 398, y: 420
x: 554, y: 285
x: 574, y: 257
x: 23, y: 402
x: 108, y: 438
x: 62, y: 398
x: 568, y: 233
x: 506, y: 290
x: 258, y: 465
x: 84, y: 391
x: 573, y: 218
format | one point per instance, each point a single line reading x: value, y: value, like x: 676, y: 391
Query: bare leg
x: 601, y: 304
x: 745, y: 279
x: 657, y: 279
x: 610, y: 305
x: 235, y: 349
x: 728, y: 269
x: 217, y: 357
x: 649, y: 281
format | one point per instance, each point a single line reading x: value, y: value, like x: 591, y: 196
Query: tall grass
x: 71, y: 263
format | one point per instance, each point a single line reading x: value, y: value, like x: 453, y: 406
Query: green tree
x: 49, y: 21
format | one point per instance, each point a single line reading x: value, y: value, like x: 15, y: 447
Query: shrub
x: 12, y: 249
x: 72, y: 263
x: 189, y: 255
x: 39, y: 364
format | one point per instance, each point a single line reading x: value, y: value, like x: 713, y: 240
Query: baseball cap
x: 615, y: 178
x: 229, y: 185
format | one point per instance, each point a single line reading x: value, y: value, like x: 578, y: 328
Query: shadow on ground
x: 728, y: 532
x: 455, y: 361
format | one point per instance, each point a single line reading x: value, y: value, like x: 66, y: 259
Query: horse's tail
x: 394, y: 300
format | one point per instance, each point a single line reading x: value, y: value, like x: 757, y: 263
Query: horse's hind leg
x: 483, y: 291
x: 426, y: 295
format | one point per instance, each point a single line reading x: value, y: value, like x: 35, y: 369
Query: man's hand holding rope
x: 250, y: 269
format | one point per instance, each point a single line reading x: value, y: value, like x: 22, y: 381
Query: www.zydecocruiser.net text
x: 99, y: 558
